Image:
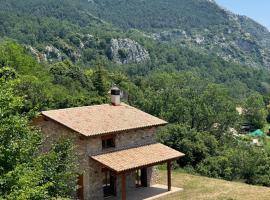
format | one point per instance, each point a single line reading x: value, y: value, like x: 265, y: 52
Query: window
x: 108, y: 142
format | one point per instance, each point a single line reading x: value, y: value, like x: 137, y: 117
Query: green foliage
x: 9, y: 104
x: 227, y: 157
x: 255, y: 111
x: 196, y: 146
x: 7, y: 73
x: 242, y: 162
x: 66, y: 74
x: 100, y: 81
x: 60, y: 169
x: 60, y: 85
x: 159, y: 14
x: 26, y: 173
x: 184, y: 98
x: 24, y: 182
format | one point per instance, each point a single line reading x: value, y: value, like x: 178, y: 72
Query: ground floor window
x: 109, y: 183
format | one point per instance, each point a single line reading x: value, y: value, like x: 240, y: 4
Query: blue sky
x: 259, y: 10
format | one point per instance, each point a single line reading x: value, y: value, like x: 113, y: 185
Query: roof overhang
x: 135, y: 158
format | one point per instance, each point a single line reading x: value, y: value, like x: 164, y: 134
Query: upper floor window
x: 108, y: 142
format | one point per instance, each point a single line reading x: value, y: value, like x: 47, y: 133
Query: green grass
x: 203, y: 188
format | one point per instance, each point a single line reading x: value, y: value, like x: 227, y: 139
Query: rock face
x: 125, y: 51
x: 34, y: 52
x: 52, y: 53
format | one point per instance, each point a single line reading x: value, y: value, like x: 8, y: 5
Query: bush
x: 195, y: 145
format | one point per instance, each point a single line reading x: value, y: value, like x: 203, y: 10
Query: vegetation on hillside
x: 81, y: 30
x: 200, y: 24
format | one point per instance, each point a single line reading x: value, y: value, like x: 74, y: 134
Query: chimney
x: 115, y: 96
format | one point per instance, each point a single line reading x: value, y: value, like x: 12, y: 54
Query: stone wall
x: 152, y: 175
x: 135, y: 138
x: 86, y: 146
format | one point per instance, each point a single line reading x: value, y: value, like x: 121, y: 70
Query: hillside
x: 85, y: 32
x: 64, y: 29
x: 202, y: 188
x: 159, y: 15
x: 200, y: 24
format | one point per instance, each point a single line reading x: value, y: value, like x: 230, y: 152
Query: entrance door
x: 109, y: 184
x: 144, y: 177
x: 141, y: 177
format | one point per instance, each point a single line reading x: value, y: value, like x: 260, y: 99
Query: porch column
x: 169, y: 175
x: 123, y: 182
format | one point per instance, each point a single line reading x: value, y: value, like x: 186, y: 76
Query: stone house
x: 115, y: 143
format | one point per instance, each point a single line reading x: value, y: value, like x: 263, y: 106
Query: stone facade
x: 87, y: 146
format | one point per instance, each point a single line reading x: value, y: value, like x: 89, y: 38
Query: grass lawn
x: 198, y: 187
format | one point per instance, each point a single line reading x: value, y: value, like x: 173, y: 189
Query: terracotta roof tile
x: 133, y: 158
x: 101, y: 119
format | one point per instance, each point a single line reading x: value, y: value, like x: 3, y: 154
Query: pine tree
x: 100, y: 80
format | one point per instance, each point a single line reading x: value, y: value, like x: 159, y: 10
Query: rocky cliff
x: 125, y: 51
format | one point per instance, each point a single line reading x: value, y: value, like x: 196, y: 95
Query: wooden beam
x: 80, y: 192
x: 169, y: 175
x: 124, y: 195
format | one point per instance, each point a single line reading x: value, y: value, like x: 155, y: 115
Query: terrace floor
x: 148, y: 193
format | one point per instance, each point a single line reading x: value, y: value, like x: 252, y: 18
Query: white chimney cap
x: 115, y: 96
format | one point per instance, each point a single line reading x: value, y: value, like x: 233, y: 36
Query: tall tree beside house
x: 100, y: 80
x: 60, y: 169
x: 25, y: 172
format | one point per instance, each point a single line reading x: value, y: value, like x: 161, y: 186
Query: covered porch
x: 120, y: 164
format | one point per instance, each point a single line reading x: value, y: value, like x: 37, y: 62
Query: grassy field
x: 202, y: 188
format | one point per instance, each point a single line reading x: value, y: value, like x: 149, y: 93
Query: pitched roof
x: 101, y: 119
x: 134, y: 158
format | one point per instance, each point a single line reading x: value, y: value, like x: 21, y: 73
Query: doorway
x: 141, y: 177
x: 109, y: 184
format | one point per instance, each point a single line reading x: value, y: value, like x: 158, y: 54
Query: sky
x: 259, y: 10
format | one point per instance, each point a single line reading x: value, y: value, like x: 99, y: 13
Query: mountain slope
x: 201, y: 24
x: 81, y: 30
x: 157, y: 14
